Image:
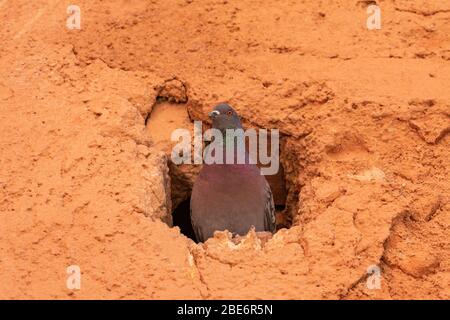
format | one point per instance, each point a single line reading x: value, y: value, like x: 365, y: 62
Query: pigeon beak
x: 213, y: 114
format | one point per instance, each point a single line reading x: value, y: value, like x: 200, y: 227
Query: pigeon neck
x: 229, y: 139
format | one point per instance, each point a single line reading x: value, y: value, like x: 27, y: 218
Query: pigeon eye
x: 229, y: 112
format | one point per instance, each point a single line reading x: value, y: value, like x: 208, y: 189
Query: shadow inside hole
x: 182, y: 219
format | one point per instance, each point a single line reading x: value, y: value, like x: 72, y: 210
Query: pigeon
x: 233, y: 197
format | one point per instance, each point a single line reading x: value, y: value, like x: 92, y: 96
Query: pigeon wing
x: 197, y: 231
x: 269, y: 210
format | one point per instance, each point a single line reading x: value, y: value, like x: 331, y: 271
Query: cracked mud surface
x: 365, y: 118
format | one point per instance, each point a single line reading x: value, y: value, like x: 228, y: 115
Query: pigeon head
x: 224, y: 117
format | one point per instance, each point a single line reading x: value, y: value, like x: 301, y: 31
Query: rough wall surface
x: 365, y: 118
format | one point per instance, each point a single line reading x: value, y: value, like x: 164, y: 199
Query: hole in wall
x: 283, y: 185
x: 170, y: 113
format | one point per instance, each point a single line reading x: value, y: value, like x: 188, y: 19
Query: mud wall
x: 364, y: 114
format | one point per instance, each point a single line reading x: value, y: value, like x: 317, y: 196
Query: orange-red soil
x: 84, y: 176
